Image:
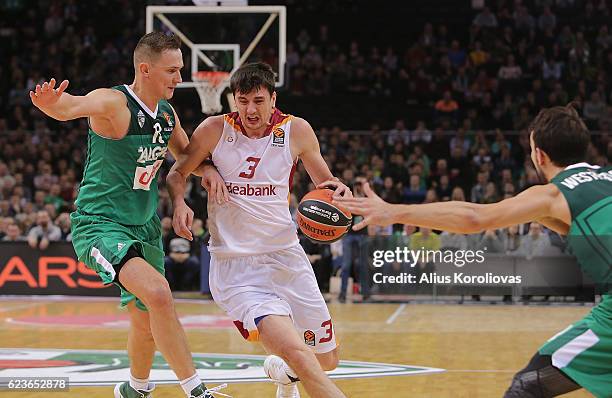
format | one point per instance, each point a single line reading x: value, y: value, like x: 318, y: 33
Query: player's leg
x: 540, y: 379
x: 279, y: 336
x: 143, y: 281
x: 328, y: 360
x: 310, y: 317
x: 141, y: 345
x: 141, y: 351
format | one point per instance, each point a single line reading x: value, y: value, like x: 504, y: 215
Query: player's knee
x: 329, y: 360
x: 158, y: 297
x: 296, y: 356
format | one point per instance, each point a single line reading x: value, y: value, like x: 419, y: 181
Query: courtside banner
x: 28, y: 271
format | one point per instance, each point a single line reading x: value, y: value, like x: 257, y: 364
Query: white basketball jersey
x: 257, y: 173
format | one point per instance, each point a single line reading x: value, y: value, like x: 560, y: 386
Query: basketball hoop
x: 210, y: 85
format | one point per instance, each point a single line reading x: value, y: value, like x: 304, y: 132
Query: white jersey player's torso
x: 257, y: 173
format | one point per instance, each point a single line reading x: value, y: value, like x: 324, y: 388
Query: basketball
x: 320, y: 220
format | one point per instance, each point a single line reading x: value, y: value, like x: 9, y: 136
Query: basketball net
x: 210, y: 85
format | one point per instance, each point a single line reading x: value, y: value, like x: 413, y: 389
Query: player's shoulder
x: 212, y: 125
x: 300, y: 125
x: 109, y: 94
x: 542, y: 191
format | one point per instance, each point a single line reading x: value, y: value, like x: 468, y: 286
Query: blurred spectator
x: 453, y: 241
x: 535, y: 243
x: 490, y: 241
x: 478, y: 190
x: 511, y: 239
x: 13, y: 234
x: 547, y: 20
x: 447, y: 106
x: 182, y: 268
x: 425, y: 239
x: 398, y: 133
x: 485, y: 19
x: 44, y: 232
x: 594, y: 109
x: 63, y: 222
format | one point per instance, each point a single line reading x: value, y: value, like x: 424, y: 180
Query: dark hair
x: 251, y: 76
x: 561, y: 133
x: 154, y: 43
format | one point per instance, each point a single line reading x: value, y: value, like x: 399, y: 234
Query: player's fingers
x: 32, y: 96
x: 328, y: 184
x: 360, y: 225
x: 226, y: 194
x: 219, y: 193
x: 45, y: 87
x: 176, y: 224
x: 189, y: 219
x: 38, y: 89
x: 52, y: 83
x: 182, y: 229
x: 368, y: 191
x: 62, y: 87
x: 205, y: 184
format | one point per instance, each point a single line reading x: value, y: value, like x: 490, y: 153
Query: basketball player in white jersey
x: 259, y: 274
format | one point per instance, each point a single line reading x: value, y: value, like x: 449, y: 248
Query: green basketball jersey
x: 120, y: 176
x: 588, y: 191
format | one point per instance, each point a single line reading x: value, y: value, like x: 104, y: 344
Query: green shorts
x: 583, y: 351
x: 101, y: 243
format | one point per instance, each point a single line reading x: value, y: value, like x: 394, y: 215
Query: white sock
x: 190, y: 383
x: 138, y: 384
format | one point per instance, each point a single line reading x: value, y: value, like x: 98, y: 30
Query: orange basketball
x: 320, y: 220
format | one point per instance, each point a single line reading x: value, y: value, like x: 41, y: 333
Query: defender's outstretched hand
x: 374, y: 210
x: 47, y: 95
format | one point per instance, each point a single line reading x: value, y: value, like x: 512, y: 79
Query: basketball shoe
x: 124, y: 390
x: 283, y: 376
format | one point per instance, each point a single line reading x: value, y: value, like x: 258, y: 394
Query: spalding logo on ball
x: 320, y: 220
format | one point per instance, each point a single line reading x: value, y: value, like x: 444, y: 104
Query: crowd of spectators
x: 519, y: 56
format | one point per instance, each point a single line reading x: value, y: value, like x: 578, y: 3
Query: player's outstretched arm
x: 203, y: 140
x: 211, y: 179
x: 304, y: 145
x: 538, y: 202
x: 58, y: 104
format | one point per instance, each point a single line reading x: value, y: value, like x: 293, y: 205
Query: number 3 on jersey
x: 250, y: 172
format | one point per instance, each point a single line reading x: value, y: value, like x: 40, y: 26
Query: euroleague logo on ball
x: 320, y: 220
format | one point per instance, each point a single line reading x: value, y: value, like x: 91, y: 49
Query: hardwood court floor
x: 479, y: 346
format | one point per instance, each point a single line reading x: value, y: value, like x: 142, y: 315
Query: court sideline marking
x: 397, y: 313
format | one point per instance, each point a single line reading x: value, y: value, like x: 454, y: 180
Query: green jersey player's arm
x: 544, y: 203
x: 199, y: 148
x: 178, y: 144
x: 103, y: 104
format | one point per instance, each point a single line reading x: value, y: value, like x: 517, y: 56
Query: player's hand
x: 214, y: 184
x: 374, y: 210
x: 182, y: 220
x: 47, y: 95
x: 339, y: 188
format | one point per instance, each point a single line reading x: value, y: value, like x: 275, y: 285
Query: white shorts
x: 277, y: 283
